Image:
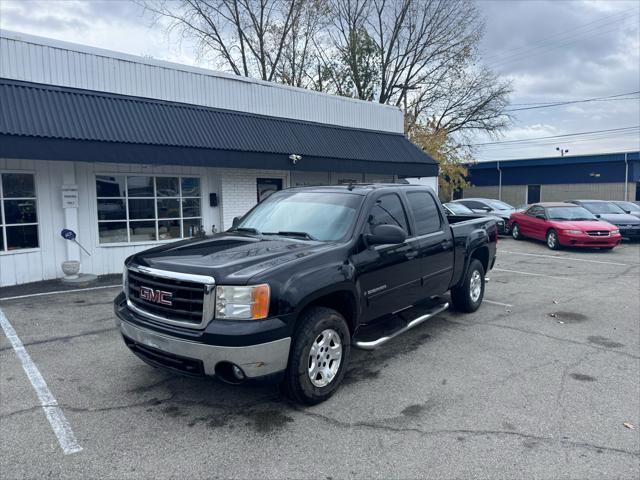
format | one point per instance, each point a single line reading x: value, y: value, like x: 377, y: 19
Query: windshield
x: 630, y: 206
x: 458, y: 208
x: 498, y: 205
x: 602, y: 207
x: 319, y: 216
x: 569, y: 213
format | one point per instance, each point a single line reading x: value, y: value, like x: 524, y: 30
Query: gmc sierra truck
x: 299, y: 280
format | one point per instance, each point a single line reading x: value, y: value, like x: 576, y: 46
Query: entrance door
x: 266, y: 186
x: 533, y: 194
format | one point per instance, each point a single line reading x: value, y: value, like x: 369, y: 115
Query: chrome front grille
x: 170, y: 297
x: 598, y: 233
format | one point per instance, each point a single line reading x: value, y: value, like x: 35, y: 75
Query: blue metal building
x: 610, y: 176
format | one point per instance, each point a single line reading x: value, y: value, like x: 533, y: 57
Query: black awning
x: 58, y: 123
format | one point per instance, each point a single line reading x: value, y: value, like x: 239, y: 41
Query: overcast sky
x: 552, y: 51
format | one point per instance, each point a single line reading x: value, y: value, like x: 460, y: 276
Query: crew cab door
x: 434, y: 242
x: 389, y: 275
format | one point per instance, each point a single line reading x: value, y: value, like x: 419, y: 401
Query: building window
x: 141, y: 208
x: 18, y: 212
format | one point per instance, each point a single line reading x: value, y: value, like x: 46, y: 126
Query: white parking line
x: 560, y: 257
x: 58, y: 421
x: 60, y: 291
x: 497, y: 303
x: 527, y: 273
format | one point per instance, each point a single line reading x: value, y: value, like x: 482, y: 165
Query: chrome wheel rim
x: 515, y: 231
x: 551, y: 240
x: 476, y: 286
x: 325, y: 356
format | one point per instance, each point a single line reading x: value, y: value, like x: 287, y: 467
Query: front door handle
x: 412, y: 255
x: 446, y: 244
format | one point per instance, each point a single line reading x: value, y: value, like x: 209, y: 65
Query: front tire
x: 552, y: 240
x: 318, y: 357
x: 467, y: 297
x: 515, y: 232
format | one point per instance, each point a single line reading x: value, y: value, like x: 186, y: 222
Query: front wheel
x: 515, y: 231
x: 552, y: 240
x: 318, y: 357
x: 467, y: 297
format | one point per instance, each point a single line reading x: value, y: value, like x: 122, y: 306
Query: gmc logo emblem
x: 156, y: 296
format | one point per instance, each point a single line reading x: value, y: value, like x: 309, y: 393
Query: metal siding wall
x: 559, y: 174
x: 33, y: 59
x: 512, y: 194
x: 596, y: 191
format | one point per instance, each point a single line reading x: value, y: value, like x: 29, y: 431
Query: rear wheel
x: 515, y: 232
x: 606, y: 249
x: 467, y: 297
x: 318, y: 357
x: 552, y: 240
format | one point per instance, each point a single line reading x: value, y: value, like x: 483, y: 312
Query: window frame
x: 3, y: 225
x: 156, y: 219
x: 414, y: 223
x: 409, y: 229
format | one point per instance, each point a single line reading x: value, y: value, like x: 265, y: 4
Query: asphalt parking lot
x: 538, y: 383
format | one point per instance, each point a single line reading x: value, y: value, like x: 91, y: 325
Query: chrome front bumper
x: 255, y: 360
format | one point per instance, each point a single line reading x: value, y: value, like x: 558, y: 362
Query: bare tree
x: 421, y: 55
x: 424, y: 57
x: 248, y: 37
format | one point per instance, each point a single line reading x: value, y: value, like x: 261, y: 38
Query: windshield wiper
x: 292, y: 234
x: 245, y: 229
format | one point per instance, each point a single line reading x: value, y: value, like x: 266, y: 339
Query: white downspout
x: 499, y: 181
x: 626, y: 178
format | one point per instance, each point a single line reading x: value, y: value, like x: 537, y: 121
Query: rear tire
x: 515, y: 232
x: 607, y: 249
x: 318, y: 357
x: 552, y: 240
x: 467, y: 297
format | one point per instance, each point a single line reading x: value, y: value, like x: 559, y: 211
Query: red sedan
x: 563, y: 224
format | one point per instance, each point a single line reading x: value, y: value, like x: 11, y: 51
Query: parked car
x: 628, y: 225
x: 488, y: 205
x: 629, y: 207
x: 563, y: 224
x: 454, y: 209
x: 300, y: 279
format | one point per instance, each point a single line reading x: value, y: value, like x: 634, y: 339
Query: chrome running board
x: 378, y: 342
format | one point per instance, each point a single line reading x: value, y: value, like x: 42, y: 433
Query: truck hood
x: 620, y: 218
x: 228, y: 257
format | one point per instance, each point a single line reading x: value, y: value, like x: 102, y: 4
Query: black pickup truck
x: 304, y: 276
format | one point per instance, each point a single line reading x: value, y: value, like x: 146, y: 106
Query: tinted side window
x: 425, y: 212
x: 533, y: 211
x: 388, y: 210
x: 473, y: 204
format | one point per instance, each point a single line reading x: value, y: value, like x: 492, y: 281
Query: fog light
x: 237, y: 372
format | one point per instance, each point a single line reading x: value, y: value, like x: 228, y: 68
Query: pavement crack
x: 478, y: 432
x: 63, y: 338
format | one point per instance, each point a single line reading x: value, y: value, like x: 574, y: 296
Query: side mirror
x: 235, y: 222
x: 386, y: 234
x: 627, y: 211
x: 485, y: 209
x: 597, y: 215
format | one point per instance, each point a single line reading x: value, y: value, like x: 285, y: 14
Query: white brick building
x: 130, y: 152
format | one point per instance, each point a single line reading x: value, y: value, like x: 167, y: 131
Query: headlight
x: 573, y: 232
x: 614, y: 232
x: 242, y: 303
